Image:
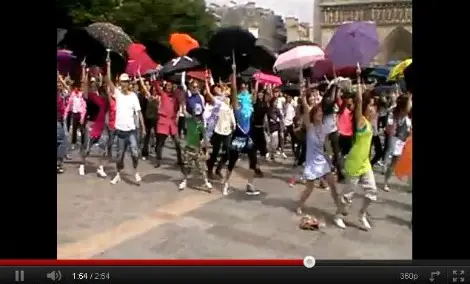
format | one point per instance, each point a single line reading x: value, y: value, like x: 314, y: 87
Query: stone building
x: 263, y: 23
x: 392, y: 17
x: 297, y: 30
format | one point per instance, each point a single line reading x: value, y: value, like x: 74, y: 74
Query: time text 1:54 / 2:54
x: 91, y: 276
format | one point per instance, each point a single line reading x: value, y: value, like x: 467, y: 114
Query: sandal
x: 309, y: 223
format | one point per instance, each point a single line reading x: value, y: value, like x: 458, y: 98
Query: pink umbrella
x: 299, y: 57
x: 132, y: 67
x: 267, y: 79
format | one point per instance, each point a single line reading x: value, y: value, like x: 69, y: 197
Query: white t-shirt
x: 126, y: 107
x: 329, y: 122
x: 289, y: 114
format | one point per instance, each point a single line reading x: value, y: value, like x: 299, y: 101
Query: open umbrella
x: 201, y: 54
x: 228, y: 39
x: 158, y: 51
x: 299, y: 58
x: 137, y: 53
x: 263, y: 58
x: 179, y: 64
x: 397, y: 72
x: 293, y: 44
x: 182, y: 43
x: 110, y: 36
x: 267, y: 78
x: 65, y: 54
x: 352, y: 43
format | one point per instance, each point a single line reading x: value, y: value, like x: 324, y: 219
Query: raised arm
x: 109, y: 81
x: 146, y: 91
x: 304, y: 106
x: 358, y: 106
x: 208, y: 88
x: 84, y: 77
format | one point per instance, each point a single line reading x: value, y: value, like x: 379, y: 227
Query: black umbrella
x: 263, y: 58
x: 293, y: 44
x: 158, y: 52
x: 247, y: 74
x: 60, y: 35
x: 291, y: 89
x: 179, y: 64
x: 201, y: 54
x: 110, y: 36
x: 228, y: 39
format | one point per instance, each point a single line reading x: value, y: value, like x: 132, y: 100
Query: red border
x: 155, y: 262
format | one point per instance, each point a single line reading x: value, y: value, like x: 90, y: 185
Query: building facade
x: 297, y: 30
x: 392, y: 17
x: 263, y: 23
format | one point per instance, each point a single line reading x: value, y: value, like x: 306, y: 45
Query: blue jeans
x: 61, y: 141
x: 126, y: 139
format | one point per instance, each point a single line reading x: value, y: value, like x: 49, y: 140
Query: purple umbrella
x: 64, y: 54
x: 65, y: 61
x: 353, y: 43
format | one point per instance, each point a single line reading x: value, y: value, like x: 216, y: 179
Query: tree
x: 145, y: 19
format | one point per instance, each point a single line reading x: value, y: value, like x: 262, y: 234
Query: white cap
x: 124, y: 77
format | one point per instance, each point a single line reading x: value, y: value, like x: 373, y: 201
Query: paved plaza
x: 154, y: 220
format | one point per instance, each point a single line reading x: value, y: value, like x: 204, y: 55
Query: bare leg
x: 309, y: 186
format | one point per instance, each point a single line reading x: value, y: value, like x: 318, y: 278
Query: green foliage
x: 145, y: 19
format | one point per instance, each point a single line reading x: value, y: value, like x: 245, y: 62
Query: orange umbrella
x: 404, y: 166
x: 182, y: 43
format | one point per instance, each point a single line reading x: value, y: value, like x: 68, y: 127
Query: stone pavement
x: 155, y: 220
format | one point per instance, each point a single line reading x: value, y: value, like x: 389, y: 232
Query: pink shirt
x: 99, y: 123
x: 168, y: 112
x: 76, y: 97
x: 345, y: 122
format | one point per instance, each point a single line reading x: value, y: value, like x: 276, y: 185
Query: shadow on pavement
x: 151, y: 178
x: 398, y: 221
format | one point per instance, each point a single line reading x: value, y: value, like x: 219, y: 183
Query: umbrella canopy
x: 397, y: 72
x: 267, y: 79
x: 228, y: 39
x: 179, y: 64
x: 263, y: 58
x: 60, y: 35
x: 293, y: 44
x: 137, y: 53
x: 182, y: 43
x: 158, y: 51
x: 65, y: 54
x: 110, y: 36
x: 291, y: 89
x: 299, y: 57
x: 353, y: 43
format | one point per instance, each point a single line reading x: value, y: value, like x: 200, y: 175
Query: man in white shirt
x: 127, y: 107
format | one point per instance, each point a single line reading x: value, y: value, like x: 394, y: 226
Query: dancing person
x: 329, y: 108
x: 75, y: 112
x: 274, y: 125
x: 357, y: 163
x: 345, y: 122
x: 289, y: 115
x: 242, y: 104
x: 220, y: 125
x: 152, y: 102
x: 260, y: 108
x: 61, y: 136
x: 167, y: 120
x: 317, y: 165
x: 194, y: 152
x: 399, y: 128
x: 127, y: 107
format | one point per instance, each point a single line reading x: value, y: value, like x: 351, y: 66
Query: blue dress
x: 316, y: 163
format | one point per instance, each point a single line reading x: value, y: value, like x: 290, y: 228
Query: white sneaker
x: 278, y: 152
x: 225, y: 189
x: 116, y: 179
x: 137, y: 177
x: 144, y: 158
x: 364, y: 219
x: 284, y: 155
x: 100, y: 172
x: 386, y: 188
x: 208, y: 185
x: 267, y: 156
x: 81, y: 170
x: 338, y: 220
x: 182, y: 185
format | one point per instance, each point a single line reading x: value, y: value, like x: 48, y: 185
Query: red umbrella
x: 138, y: 58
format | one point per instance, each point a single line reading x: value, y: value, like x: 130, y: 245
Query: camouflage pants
x: 194, y: 159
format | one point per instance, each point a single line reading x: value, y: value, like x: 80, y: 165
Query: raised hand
x: 108, y: 56
x: 83, y: 64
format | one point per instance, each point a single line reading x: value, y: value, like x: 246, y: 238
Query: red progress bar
x: 154, y: 262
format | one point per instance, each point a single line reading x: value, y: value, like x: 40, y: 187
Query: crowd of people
x: 334, y: 129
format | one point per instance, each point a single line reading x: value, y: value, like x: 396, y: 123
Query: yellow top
x: 357, y: 162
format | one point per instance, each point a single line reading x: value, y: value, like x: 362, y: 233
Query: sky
x: 302, y: 9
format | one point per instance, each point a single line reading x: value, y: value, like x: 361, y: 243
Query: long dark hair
x: 367, y: 96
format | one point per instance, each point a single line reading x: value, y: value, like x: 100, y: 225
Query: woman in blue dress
x: 317, y: 164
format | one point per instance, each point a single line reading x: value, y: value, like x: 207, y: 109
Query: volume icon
x: 54, y: 275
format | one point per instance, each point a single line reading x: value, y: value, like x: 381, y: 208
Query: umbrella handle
x: 234, y: 65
